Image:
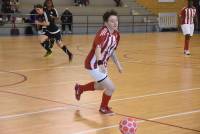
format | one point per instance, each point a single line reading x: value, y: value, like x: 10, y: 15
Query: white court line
x: 48, y: 85
x: 141, y: 121
x: 148, y: 95
x: 71, y: 66
x: 59, y: 67
x: 64, y: 107
x: 32, y: 113
x: 67, y: 66
x: 47, y: 68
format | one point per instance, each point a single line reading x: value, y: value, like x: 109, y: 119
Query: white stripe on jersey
x: 103, y: 32
x: 56, y: 12
x: 189, y: 15
x: 107, y: 46
x: 46, y: 18
x: 104, y: 43
x: 92, y: 62
x: 112, y: 47
x: 186, y: 15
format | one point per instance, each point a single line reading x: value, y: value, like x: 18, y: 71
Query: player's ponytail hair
x: 108, y: 14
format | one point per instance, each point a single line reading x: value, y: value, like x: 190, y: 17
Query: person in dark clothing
x: 6, y: 8
x: 78, y: 2
x: 67, y: 19
x: 85, y: 2
x: 14, y: 5
x: 118, y: 3
x: 49, y: 29
x: 32, y: 18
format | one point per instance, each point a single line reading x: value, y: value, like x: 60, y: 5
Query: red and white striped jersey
x: 187, y: 15
x: 108, y: 43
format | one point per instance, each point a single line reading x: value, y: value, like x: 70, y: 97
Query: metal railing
x: 90, y: 23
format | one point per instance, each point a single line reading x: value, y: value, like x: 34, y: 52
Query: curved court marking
x: 78, y: 106
x: 24, y: 78
x: 148, y: 120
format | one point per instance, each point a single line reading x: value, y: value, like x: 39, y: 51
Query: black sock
x: 64, y: 48
x: 46, y: 45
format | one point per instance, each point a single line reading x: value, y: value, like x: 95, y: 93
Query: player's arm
x: 55, y: 15
x: 98, y: 53
x: 179, y: 19
x: 116, y: 61
x: 99, y: 59
x: 44, y: 23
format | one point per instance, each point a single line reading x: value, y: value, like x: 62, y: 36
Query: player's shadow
x: 93, y: 124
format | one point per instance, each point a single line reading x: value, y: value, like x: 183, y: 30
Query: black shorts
x: 57, y: 36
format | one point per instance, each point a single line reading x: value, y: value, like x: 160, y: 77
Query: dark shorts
x: 57, y: 36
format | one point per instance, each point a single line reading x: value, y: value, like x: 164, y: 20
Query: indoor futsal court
x: 159, y: 87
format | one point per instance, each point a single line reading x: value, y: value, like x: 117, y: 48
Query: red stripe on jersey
x: 187, y: 15
x: 107, y: 41
x: 106, y: 51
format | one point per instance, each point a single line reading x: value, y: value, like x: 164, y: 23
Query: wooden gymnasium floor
x: 159, y: 86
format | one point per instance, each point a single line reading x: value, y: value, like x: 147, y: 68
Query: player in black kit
x: 49, y: 30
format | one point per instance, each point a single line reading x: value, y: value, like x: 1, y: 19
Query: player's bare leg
x: 106, y: 84
x: 65, y: 49
x: 186, y: 45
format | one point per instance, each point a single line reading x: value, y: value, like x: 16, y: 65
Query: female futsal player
x: 51, y: 30
x: 104, y: 46
x: 187, y: 17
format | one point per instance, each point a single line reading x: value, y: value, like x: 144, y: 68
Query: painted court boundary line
x: 149, y: 95
x: 78, y: 106
x: 137, y: 61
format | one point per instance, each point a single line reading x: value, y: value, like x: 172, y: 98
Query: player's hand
x: 102, y: 69
x: 37, y: 22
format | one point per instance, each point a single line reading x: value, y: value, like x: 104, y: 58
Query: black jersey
x: 52, y: 28
x: 52, y: 12
x: 47, y: 17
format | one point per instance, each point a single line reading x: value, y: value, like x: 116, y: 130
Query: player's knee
x: 110, y: 91
x: 111, y: 88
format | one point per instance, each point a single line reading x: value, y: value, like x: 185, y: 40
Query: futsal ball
x: 128, y: 126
